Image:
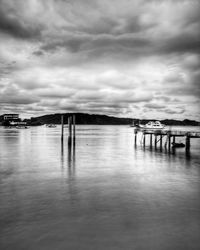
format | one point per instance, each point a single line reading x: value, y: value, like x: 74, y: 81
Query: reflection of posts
x: 71, y: 159
x: 69, y: 154
x: 62, y: 154
x: 187, y: 145
x: 71, y: 141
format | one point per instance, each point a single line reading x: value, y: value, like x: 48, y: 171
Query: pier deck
x: 160, y: 133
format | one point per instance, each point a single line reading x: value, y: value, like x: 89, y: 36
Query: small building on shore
x: 11, y: 120
x: 9, y: 117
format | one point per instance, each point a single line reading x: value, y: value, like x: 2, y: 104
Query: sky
x: 130, y: 58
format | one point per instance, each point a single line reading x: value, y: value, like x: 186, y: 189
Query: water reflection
x: 71, y: 157
x: 165, y: 151
x: 62, y: 160
x: 99, y: 190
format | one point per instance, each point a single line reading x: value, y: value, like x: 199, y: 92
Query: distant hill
x: 83, y: 118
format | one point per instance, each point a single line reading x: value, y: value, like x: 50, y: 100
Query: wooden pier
x: 170, y: 136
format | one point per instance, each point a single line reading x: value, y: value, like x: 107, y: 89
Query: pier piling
x: 135, y: 138
x: 74, y: 126
x: 62, y: 127
x: 150, y: 140
x: 160, y: 142
x: 69, y: 131
x: 187, y: 143
x: 144, y: 139
x: 155, y: 141
x: 169, y: 142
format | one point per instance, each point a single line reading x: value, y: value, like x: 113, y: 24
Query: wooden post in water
x: 69, y: 130
x: 144, y: 138
x: 135, y: 138
x: 150, y: 140
x: 74, y: 131
x: 68, y: 126
x: 160, y: 142
x: 174, y: 139
x: 187, y: 144
x: 62, y: 127
x: 169, y: 142
x: 74, y: 126
x: 155, y: 141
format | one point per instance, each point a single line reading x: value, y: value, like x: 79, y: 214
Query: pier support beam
x: 74, y: 130
x: 135, y: 138
x: 74, y: 126
x: 155, y: 141
x: 150, y: 140
x: 160, y: 142
x: 187, y: 144
x: 62, y: 127
x: 144, y: 139
x: 69, y: 130
x: 169, y: 142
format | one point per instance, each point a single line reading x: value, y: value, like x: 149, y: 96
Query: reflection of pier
x: 168, y: 134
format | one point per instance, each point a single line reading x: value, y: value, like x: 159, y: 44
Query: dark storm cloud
x: 13, y: 95
x: 137, y: 35
x: 154, y: 106
x: 100, y: 43
x: 13, y: 24
x: 171, y: 111
x: 17, y: 99
x: 181, y: 43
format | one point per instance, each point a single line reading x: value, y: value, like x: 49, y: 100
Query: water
x: 103, y: 194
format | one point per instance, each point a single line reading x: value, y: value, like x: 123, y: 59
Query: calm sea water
x: 104, y: 193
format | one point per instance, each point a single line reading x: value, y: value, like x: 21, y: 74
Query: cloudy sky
x: 130, y: 58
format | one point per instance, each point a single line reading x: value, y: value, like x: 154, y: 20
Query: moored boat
x: 152, y: 125
x: 22, y: 127
x: 178, y: 145
x: 51, y: 125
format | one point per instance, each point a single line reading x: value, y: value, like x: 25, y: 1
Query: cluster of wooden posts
x: 71, y: 129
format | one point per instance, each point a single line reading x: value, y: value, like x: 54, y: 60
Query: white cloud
x: 100, y: 56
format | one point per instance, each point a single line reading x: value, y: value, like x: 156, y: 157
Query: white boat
x: 22, y: 127
x: 152, y: 125
x: 51, y: 125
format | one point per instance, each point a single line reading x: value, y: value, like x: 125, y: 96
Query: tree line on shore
x: 83, y: 118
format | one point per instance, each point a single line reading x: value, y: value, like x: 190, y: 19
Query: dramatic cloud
x: 133, y: 58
